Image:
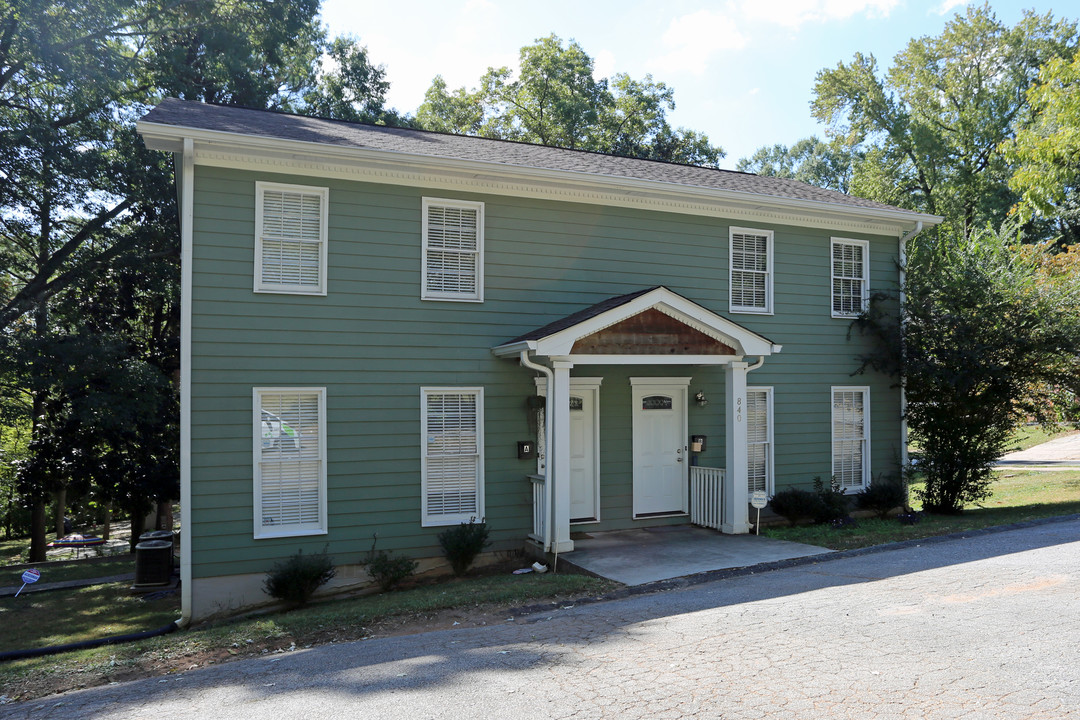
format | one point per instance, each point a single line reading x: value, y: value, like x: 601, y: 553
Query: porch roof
x: 558, y: 338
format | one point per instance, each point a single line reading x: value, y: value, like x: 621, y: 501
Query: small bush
x: 387, y: 569
x: 462, y: 543
x: 296, y: 579
x: 882, y: 496
x: 795, y: 504
x: 832, y: 503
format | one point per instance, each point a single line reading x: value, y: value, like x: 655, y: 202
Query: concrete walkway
x: 636, y: 557
x: 1062, y: 453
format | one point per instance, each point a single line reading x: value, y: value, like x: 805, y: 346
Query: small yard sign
x: 758, y: 499
x: 30, y: 576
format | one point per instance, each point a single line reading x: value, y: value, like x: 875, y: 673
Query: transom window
x: 452, y: 472
x: 751, y: 270
x: 851, y: 436
x: 290, y: 461
x: 290, y: 238
x: 850, y: 277
x: 759, y: 440
x: 453, y: 239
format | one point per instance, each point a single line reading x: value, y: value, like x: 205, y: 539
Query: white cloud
x: 691, y: 40
x: 794, y: 13
x: 948, y: 6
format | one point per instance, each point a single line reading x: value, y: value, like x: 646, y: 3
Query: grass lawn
x: 73, y: 570
x: 110, y: 611
x: 1018, y: 496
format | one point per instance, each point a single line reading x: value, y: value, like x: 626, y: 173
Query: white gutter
x: 549, y: 510
x: 187, y: 216
x: 903, y: 380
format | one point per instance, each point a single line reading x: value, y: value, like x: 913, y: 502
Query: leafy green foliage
x: 882, y: 496
x: 832, y: 502
x: 555, y: 100
x: 990, y: 338
x: 462, y: 543
x: 387, y: 569
x: 810, y: 160
x: 795, y: 504
x: 295, y: 579
x: 933, y: 123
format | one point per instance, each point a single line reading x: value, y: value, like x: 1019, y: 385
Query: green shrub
x: 882, y: 496
x: 388, y: 569
x: 795, y: 504
x: 296, y: 579
x: 462, y: 543
x: 832, y: 502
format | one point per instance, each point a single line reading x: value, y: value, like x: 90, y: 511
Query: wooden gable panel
x: 650, y: 333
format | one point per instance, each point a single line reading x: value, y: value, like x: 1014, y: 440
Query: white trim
x: 323, y: 193
x: 770, y: 271
x: 770, y: 424
x: 865, y: 390
x: 865, y: 245
x: 451, y: 519
x: 579, y: 384
x: 261, y: 532
x: 295, y: 157
x: 425, y: 294
x: 187, y: 219
x: 667, y: 381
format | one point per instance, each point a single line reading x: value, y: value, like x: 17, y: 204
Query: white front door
x: 583, y: 466
x: 660, y: 457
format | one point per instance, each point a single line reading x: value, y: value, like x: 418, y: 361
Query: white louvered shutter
x: 849, y: 287
x: 849, y: 437
x: 290, y: 460
x: 750, y: 271
x: 453, y: 236
x: 452, y: 455
x: 291, y: 240
x: 757, y: 440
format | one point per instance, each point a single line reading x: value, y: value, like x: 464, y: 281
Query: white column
x: 736, y: 516
x: 559, y: 456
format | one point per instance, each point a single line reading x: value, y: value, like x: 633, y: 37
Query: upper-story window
x: 453, y: 237
x: 751, y: 270
x: 850, y: 277
x: 290, y: 238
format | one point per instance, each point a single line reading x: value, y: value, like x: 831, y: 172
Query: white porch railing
x: 539, y: 508
x: 706, y: 496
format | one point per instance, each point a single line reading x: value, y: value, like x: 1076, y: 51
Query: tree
x: 810, y: 160
x: 990, y: 337
x: 555, y: 100
x: 1047, y: 152
x: 933, y: 124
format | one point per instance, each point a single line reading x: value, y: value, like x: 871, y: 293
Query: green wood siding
x: 373, y: 343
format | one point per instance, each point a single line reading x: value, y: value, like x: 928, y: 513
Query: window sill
x: 270, y: 535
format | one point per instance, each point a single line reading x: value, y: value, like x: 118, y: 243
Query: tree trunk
x: 107, y: 528
x: 58, y: 512
x: 37, y: 530
x: 138, y: 525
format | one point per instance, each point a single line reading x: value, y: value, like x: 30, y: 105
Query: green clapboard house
x: 392, y: 331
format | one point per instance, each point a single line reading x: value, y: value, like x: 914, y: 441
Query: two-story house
x: 391, y: 331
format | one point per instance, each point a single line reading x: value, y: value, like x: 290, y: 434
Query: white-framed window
x: 290, y: 238
x: 850, y: 277
x: 290, y: 461
x: 453, y: 241
x: 452, y: 455
x: 851, y: 437
x: 751, y: 253
x: 759, y: 439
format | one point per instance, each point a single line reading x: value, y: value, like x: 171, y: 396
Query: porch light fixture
x: 700, y: 399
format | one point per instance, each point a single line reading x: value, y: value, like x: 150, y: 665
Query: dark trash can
x: 153, y: 563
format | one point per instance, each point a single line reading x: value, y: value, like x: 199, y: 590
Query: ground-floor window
x: 452, y: 461
x: 759, y: 439
x: 290, y: 461
x: 851, y: 436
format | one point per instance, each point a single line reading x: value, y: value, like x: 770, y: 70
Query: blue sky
x: 743, y: 70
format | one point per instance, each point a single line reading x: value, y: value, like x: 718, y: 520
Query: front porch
x: 637, y: 557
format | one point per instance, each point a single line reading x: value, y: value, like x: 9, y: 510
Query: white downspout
x: 549, y: 518
x: 903, y: 380
x: 187, y: 218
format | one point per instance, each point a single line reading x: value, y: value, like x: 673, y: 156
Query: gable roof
x: 557, y: 339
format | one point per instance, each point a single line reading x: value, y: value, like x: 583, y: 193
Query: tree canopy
x: 554, y: 99
x: 810, y: 160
